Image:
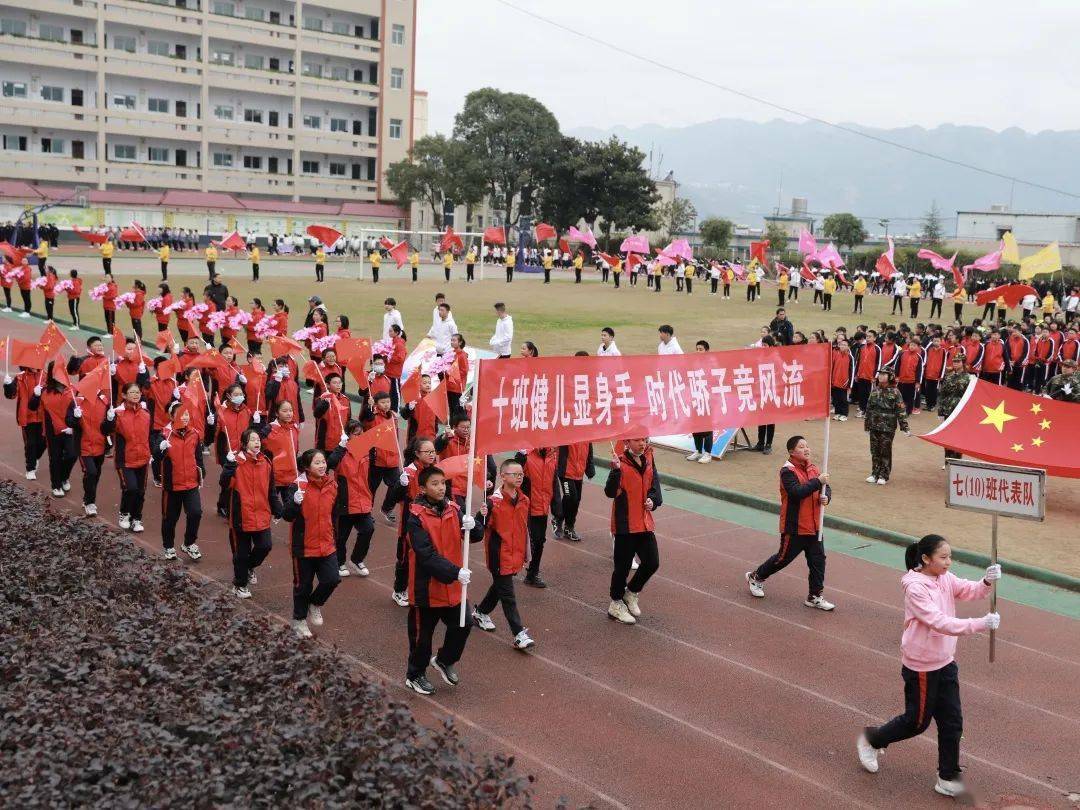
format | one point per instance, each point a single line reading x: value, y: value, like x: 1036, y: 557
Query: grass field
x: 562, y: 318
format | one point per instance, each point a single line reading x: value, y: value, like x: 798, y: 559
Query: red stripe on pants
x: 922, y: 698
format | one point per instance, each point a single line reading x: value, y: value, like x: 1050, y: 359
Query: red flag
x: 494, y: 236
x: 97, y: 380
x: 169, y: 368
x: 450, y: 240
x: 232, y: 241
x: 399, y: 253
x: 59, y: 373
x: 807, y: 273
x: 633, y: 260
x: 383, y: 437
x: 90, y: 236
x: 210, y: 359
x: 281, y: 346
x: 607, y: 257
x: 163, y: 340
x: 350, y: 348
x: 456, y: 470
x: 385, y: 243
x: 410, y: 389
x: 1012, y: 293
x: 544, y: 232
x: 310, y: 371
x: 757, y: 250
x: 564, y: 246
x: 998, y: 424
x: 436, y: 402
x: 325, y: 234
x: 958, y: 276
x: 30, y: 355
x: 132, y: 234
x: 119, y: 342
x: 53, y: 337
x: 236, y: 346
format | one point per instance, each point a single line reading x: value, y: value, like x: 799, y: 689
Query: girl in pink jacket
x: 931, y: 683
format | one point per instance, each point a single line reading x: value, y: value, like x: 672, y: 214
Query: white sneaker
x: 871, y: 479
x: 631, y: 600
x: 756, y: 588
x: 705, y: 459
x: 401, y: 598
x: 31, y: 475
x: 841, y: 419
x: 314, y: 616
x: 67, y: 486
x: 819, y: 602
x: 619, y: 612
x: 867, y: 753
x: 90, y: 509
x: 693, y: 457
x: 136, y: 526
x: 522, y: 641
x: 192, y: 551
x: 882, y: 482
x: 124, y: 522
x: 58, y: 493
x: 343, y: 571
x: 73, y: 328
x: 252, y: 579
x: 949, y: 787
x: 300, y: 627
x: 241, y: 593
x: 483, y: 621
x: 6, y: 309
x: 24, y: 314
x: 170, y: 554
x: 359, y: 569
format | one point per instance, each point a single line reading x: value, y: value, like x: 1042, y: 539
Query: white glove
x: 993, y: 572
x: 256, y: 417
x: 464, y: 575
x: 468, y: 523
x: 112, y: 368
x: 465, y: 399
x: 285, y: 372
x: 242, y: 379
x: 210, y: 419
x: 404, y: 479
x: 77, y: 413
x: 230, y: 457
x: 298, y: 496
x: 412, y: 405
x: 142, y: 404
x: 164, y: 445
x: 142, y: 368
x: 37, y: 390
x: 208, y: 346
x: 993, y: 620
x: 370, y: 376
x: 176, y: 393
x: 344, y: 439
x: 177, y: 348
x: 8, y: 379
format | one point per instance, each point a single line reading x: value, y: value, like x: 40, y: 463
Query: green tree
x: 465, y: 184
x: 716, y: 232
x: 677, y: 216
x: 932, y: 233
x: 777, y: 238
x: 571, y: 186
x: 844, y: 229
x: 625, y: 196
x: 515, y: 140
x: 424, y: 177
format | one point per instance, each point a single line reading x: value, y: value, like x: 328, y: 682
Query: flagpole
x: 993, y: 585
x: 7, y: 356
x: 824, y: 469
x: 469, y: 491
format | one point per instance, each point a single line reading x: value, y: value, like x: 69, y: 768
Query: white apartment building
x: 265, y: 99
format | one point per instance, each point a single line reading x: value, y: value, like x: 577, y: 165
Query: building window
x: 52, y: 146
x: 15, y: 89
x: 223, y: 160
x: 222, y: 57
x: 254, y: 61
x: 124, y: 102
x: 223, y: 7
x: 252, y: 162
x: 15, y: 143
x: 339, y: 125
x: 395, y: 128
x: 397, y: 78
x: 123, y: 151
x: 397, y: 34
x: 337, y: 169
x: 312, y: 69
x: 53, y: 33
x: 158, y: 154
x: 312, y: 122
x: 339, y: 73
x: 158, y: 105
x: 313, y: 23
x: 223, y: 112
x: 123, y: 43
x: 157, y: 47
x: 15, y: 28
x: 253, y: 116
x: 310, y: 167
x: 255, y: 13
x: 339, y: 27
x: 51, y: 93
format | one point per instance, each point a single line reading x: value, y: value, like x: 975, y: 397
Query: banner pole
x: 469, y: 491
x: 824, y: 469
x: 993, y: 585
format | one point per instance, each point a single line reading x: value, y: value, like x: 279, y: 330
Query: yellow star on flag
x: 1036, y: 409
x: 1036, y: 442
x: 1017, y: 448
x: 1045, y: 424
x: 997, y: 416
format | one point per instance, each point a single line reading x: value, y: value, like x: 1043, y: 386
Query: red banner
x: 551, y: 401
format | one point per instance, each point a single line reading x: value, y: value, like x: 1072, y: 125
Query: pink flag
x: 936, y: 261
x: 665, y: 261
x: 585, y: 236
x: 807, y: 243
x: 634, y: 244
x: 990, y: 261
x: 829, y: 257
x: 886, y: 266
x: 739, y: 271
x: 680, y: 248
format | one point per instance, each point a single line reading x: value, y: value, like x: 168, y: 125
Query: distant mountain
x: 732, y: 168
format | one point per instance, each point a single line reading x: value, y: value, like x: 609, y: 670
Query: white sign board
x: 996, y: 489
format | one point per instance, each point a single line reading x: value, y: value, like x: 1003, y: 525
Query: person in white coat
x: 503, y: 339
x: 391, y: 317
x: 669, y: 344
x: 607, y: 343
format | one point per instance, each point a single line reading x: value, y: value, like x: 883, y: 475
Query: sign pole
x: 993, y: 585
x: 469, y: 491
x: 824, y: 469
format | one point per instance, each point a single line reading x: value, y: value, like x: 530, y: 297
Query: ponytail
x: 925, y: 547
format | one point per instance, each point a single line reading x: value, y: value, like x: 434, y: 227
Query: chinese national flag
x: 30, y: 355
x: 163, y: 340
x: 168, y: 368
x: 383, y: 437
x: 564, y: 246
x: 410, y: 389
x: 385, y: 243
x: 1012, y: 293
x: 349, y: 348
x: 399, y: 253
x: 456, y: 470
x: 118, y: 341
x: 310, y: 371
x: 59, y: 373
x: 437, y: 403
x: 451, y: 239
x: 97, y: 380
x: 210, y: 359
x: 325, y: 234
x: 53, y: 337
x: 494, y: 235
x: 281, y: 346
x: 999, y: 424
x: 544, y: 232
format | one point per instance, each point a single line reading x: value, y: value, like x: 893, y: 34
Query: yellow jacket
x: 211, y: 254
x: 42, y: 250
x: 915, y: 290
x: 106, y: 249
x: 1048, y: 303
x: 751, y: 277
x: 470, y: 257
x: 254, y: 255
x: 320, y: 256
x: 579, y: 262
x: 860, y: 286
x: 376, y: 258
x: 829, y: 286
x: 784, y: 281
x: 163, y: 254
x: 448, y: 259
x: 511, y: 258
x: 549, y: 262
x: 414, y: 259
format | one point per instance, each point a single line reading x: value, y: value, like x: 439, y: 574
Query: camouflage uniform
x: 1064, y: 387
x: 884, y: 411
x: 952, y: 389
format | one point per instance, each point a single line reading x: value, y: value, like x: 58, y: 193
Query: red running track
x: 714, y: 698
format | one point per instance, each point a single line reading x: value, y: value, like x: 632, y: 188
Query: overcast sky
x: 926, y: 62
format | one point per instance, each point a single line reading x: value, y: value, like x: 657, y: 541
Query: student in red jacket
x: 404, y: 491
x: 541, y: 484
x: 574, y: 465
x: 160, y: 315
x: 933, y: 372
x: 74, y: 296
x: 86, y: 419
x: 435, y: 526
x: 506, y: 538
x: 633, y: 484
x: 994, y: 364
x: 281, y: 439
x: 129, y: 424
x: 353, y: 474
x: 420, y: 418
x: 55, y: 401
x: 21, y: 389
x: 386, y: 466
x: 867, y: 363
x: 455, y: 384
x: 232, y: 419
x: 281, y: 386
x: 1043, y: 358
x: 395, y: 363
x: 1019, y: 350
x: 804, y: 489
x: 332, y: 411
x: 909, y: 371
x: 137, y: 307
x: 131, y: 368
x: 253, y: 500
x: 182, y: 474
x: 49, y: 292
x: 108, y: 302
x: 843, y: 377
x: 312, y: 509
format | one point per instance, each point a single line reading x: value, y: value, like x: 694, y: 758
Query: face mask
x: 237, y: 400
x: 285, y: 371
x: 379, y: 368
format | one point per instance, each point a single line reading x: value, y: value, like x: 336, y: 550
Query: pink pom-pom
x: 154, y: 304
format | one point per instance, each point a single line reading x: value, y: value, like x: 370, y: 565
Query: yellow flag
x: 1011, y: 253
x: 1047, y: 260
